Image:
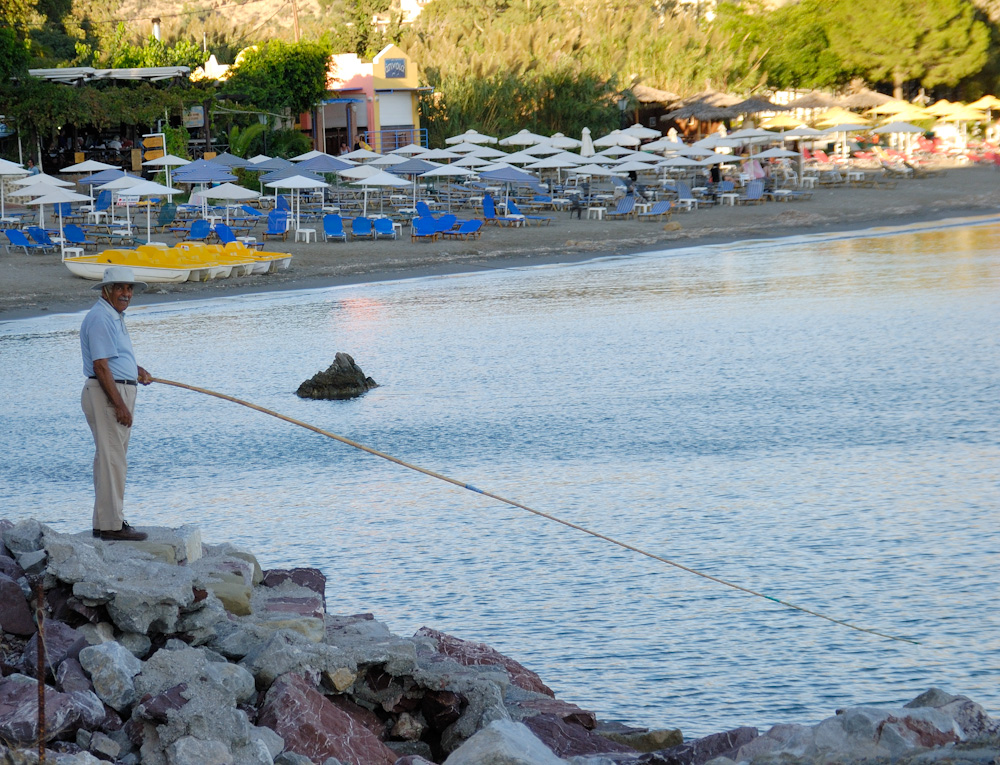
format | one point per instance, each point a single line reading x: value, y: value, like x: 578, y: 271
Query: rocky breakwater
x: 176, y: 652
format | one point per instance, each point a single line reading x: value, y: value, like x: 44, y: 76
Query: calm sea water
x: 816, y: 419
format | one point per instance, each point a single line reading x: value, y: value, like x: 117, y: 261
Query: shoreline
x: 32, y: 285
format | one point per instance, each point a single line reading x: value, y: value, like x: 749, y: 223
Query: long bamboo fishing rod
x: 512, y: 503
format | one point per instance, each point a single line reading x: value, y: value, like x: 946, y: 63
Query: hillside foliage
x: 500, y: 65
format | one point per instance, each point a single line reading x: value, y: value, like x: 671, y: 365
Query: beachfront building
x: 378, y: 98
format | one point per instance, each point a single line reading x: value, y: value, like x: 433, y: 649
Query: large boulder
x: 112, y: 668
x: 63, y: 711
x: 343, y: 379
x: 933, y: 720
x: 15, y: 613
x: 314, y: 727
x: 478, y: 654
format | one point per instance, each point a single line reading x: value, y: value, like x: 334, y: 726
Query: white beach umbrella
x: 230, y: 192
x: 36, y: 186
x: 519, y: 158
x: 776, y: 153
x: 150, y: 189
x: 664, y: 144
x: 642, y: 132
x: 486, y: 151
x: 470, y: 160
x: 586, y: 143
x: 87, y: 166
x: 617, y: 138
x: 522, y: 138
x: 387, y: 161
x: 381, y: 178
x: 167, y: 161
x: 7, y: 168
x: 470, y: 136
x: 451, y: 170
x: 552, y: 163
x: 55, y: 195
x: 613, y: 151
x: 257, y: 159
x: 541, y: 149
x: 600, y: 170
x: 410, y: 149
x: 361, y: 171
x: 631, y: 166
x: 716, y: 159
x: 31, y: 180
x: 679, y: 162
x: 439, y: 154
x: 561, y: 141
x: 296, y: 183
x: 360, y: 154
x: 309, y: 155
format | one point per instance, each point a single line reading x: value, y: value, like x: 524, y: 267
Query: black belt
x: 122, y: 382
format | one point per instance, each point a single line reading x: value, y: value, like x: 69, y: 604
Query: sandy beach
x: 32, y: 285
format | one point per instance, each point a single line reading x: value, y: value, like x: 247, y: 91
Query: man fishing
x: 108, y: 398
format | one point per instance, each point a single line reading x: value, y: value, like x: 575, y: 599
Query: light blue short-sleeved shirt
x: 103, y: 335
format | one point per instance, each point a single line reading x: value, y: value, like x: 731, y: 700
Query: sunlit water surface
x: 814, y: 419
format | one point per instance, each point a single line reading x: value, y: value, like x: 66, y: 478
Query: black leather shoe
x: 125, y: 534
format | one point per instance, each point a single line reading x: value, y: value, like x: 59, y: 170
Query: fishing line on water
x: 539, y: 513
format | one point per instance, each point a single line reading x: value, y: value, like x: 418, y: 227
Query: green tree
x: 937, y: 42
x: 120, y: 54
x: 13, y: 54
x: 278, y: 75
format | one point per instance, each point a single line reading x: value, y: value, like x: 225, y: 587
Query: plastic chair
x: 384, y: 228
x: 361, y: 228
x: 424, y: 228
x: 470, y: 229
x: 76, y: 236
x: 333, y: 227
x: 17, y: 238
x: 277, y: 224
x: 40, y: 235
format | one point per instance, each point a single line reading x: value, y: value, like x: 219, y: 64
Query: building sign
x: 194, y: 117
x: 395, y: 68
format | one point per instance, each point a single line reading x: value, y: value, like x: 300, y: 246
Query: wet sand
x: 33, y: 285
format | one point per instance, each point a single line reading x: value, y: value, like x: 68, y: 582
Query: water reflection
x: 816, y: 420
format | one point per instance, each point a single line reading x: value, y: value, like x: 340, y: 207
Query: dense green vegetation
x: 499, y: 65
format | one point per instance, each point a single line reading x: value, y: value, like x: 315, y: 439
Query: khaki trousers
x: 111, y: 447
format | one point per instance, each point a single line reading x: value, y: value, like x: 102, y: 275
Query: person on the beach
x: 108, y: 398
x: 32, y: 170
x: 361, y: 143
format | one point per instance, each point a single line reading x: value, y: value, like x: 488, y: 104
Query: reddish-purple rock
x: 570, y: 739
x: 61, y: 642
x: 565, y: 711
x: 441, y: 708
x: 154, y: 708
x: 702, y: 750
x: 314, y: 727
x: 15, y: 613
x: 473, y: 654
x: 71, y: 677
x: 19, y: 711
x: 9, y: 567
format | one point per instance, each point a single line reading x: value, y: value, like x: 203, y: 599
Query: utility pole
x: 295, y: 18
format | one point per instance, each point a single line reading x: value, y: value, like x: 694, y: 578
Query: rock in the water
x: 343, y: 379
